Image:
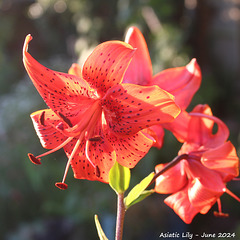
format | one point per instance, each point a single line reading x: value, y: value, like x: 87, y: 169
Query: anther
x: 95, y: 139
x: 42, y: 118
x: 33, y: 159
x: 220, y: 214
x: 65, y: 119
x: 97, y: 171
x: 61, y: 185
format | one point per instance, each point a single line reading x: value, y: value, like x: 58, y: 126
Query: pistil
x: 62, y: 185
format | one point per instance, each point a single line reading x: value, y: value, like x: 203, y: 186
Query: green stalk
x: 120, y: 216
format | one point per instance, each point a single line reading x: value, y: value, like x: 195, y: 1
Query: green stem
x: 120, y: 216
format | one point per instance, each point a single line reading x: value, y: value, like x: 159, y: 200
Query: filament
x: 232, y: 194
x: 57, y: 148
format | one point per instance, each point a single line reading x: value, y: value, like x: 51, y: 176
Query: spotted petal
x: 101, y: 155
x: 157, y: 133
x: 140, y: 69
x: 106, y: 65
x: 130, y: 149
x: 129, y: 108
x: 64, y: 93
x: 45, y: 123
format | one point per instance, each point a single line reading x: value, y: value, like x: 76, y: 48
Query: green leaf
x: 101, y: 234
x: 138, y: 193
x: 119, y: 178
x: 141, y: 197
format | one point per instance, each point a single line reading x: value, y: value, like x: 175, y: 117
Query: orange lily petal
x: 131, y: 149
x: 130, y: 108
x: 182, y: 82
x: 45, y: 123
x: 223, y: 159
x: 64, y: 93
x: 203, y: 197
x: 181, y: 205
x: 140, y: 69
x: 201, y: 128
x: 209, y: 178
x: 106, y: 65
x: 101, y: 155
x: 179, y: 127
x: 172, y: 180
x: 204, y: 187
x: 157, y: 132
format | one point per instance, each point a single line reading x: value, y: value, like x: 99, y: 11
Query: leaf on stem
x: 101, y: 234
x: 119, y: 178
x: 139, y: 192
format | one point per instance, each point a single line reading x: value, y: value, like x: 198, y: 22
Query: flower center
x: 86, y: 124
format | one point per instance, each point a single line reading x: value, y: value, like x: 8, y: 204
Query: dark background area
x: 31, y: 207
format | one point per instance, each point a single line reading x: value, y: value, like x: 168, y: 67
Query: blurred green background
x: 31, y: 207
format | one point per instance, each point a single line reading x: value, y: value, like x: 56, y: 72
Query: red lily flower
x: 92, y: 116
x: 182, y: 82
x: 198, y: 180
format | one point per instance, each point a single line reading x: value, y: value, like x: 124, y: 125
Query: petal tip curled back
x: 26, y: 42
x: 129, y: 33
x: 193, y: 67
x: 33, y: 159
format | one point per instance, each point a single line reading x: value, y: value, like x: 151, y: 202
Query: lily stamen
x: 95, y: 139
x: 62, y: 185
x: 220, y: 213
x: 87, y: 155
x: 232, y: 194
x: 65, y: 119
x: 56, y: 148
x: 37, y: 160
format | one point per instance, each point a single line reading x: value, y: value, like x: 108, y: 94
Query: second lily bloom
x: 181, y: 82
